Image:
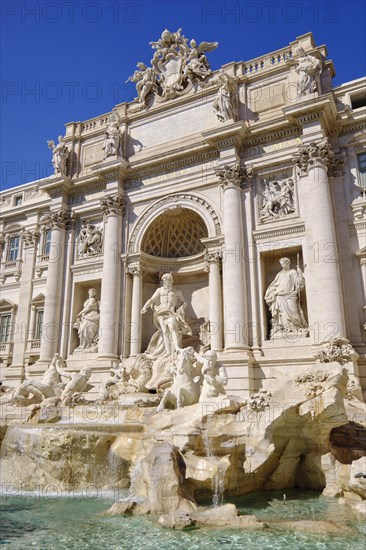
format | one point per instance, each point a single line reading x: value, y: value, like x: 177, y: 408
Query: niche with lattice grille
x: 176, y: 233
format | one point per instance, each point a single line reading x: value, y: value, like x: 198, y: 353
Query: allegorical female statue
x: 87, y: 323
x: 282, y: 297
x: 60, y: 155
x: 224, y: 105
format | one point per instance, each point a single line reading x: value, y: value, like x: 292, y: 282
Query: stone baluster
x: 323, y: 282
x: 113, y: 208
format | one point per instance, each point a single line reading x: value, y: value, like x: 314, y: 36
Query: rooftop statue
x: 60, y: 154
x: 307, y: 68
x: 225, y: 103
x: 112, y: 137
x: 175, y: 65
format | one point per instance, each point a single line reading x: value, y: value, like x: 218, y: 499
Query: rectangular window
x: 358, y: 101
x: 4, y: 328
x: 18, y: 200
x: 13, y: 250
x: 39, y: 325
x: 362, y: 168
x: 47, y: 242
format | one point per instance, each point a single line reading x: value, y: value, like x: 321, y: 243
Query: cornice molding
x: 264, y: 235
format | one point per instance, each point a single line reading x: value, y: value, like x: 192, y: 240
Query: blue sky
x: 68, y: 60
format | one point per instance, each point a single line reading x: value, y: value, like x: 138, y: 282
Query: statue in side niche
x: 282, y: 297
x: 87, y: 324
x: 168, y: 305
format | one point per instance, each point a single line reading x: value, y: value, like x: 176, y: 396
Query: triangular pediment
x: 6, y: 305
x: 39, y: 299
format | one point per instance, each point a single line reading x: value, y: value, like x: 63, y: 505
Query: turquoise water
x: 76, y: 523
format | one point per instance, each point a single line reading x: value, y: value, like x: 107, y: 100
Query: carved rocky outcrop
x: 297, y: 434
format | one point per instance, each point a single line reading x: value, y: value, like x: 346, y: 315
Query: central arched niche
x: 176, y: 233
x: 172, y: 243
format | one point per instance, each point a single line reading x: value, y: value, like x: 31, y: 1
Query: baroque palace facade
x: 213, y: 177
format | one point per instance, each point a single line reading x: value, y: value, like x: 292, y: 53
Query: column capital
x: 135, y: 270
x: 314, y: 155
x: 59, y: 220
x: 30, y: 238
x: 212, y: 257
x: 232, y: 175
x: 113, y: 205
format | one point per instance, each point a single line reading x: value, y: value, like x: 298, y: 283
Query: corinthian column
x: 30, y: 239
x: 235, y: 313
x: 52, y: 308
x: 323, y: 282
x: 113, y: 208
x: 135, y: 334
x: 213, y: 260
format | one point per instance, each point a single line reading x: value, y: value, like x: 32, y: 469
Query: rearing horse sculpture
x: 185, y: 390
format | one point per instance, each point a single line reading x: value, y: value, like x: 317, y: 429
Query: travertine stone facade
x: 213, y: 176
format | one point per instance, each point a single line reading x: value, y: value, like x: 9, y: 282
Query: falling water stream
x: 218, y: 479
x: 72, y: 519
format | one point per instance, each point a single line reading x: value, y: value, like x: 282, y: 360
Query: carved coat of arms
x: 176, y: 66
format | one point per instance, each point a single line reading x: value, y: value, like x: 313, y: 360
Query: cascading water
x: 134, y: 477
x: 218, y: 480
x: 66, y: 458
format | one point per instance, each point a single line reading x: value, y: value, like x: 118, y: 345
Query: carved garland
x: 172, y: 199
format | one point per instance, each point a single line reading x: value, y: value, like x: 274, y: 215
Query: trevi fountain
x: 183, y: 351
